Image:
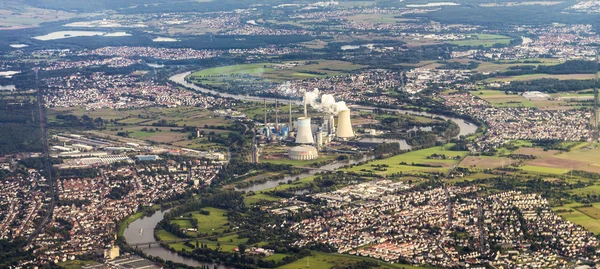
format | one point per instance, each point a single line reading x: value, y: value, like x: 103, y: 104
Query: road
x: 49, y: 179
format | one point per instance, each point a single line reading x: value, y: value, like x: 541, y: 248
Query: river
x: 466, y: 128
x: 132, y: 232
x: 146, y: 226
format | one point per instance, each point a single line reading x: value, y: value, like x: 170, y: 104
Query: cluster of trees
x: 456, y: 65
x: 72, y: 121
x: 387, y: 149
x: 550, y: 85
x: 568, y: 67
x: 20, y: 130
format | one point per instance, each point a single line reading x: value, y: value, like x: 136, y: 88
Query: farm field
x: 326, y: 260
x: 501, y: 99
x: 273, y: 71
x: 32, y: 17
x: 490, y: 67
x: 486, y: 162
x: 486, y: 40
x: 540, y: 76
x: 572, y: 213
x: 417, y: 157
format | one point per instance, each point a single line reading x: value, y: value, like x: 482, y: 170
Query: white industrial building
x: 303, y: 153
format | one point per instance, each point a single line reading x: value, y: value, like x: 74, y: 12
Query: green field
x: 578, y: 217
x: 485, y: 40
x: 540, y: 76
x: 254, y: 199
x: 329, y: 260
x: 75, y: 264
x: 594, y: 189
x: 418, y: 157
x: 501, y: 99
x: 208, y: 224
x: 272, y: 71
x: 543, y: 169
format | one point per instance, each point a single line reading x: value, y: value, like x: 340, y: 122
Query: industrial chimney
x: 344, y: 127
x: 304, y: 135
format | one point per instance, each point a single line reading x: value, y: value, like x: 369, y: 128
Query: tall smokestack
x: 276, y: 116
x: 265, y: 121
x: 344, y: 128
x: 305, y: 113
x: 290, y: 126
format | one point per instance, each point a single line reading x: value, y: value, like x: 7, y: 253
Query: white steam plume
x: 325, y: 103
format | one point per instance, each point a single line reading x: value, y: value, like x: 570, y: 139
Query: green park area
x: 214, y: 224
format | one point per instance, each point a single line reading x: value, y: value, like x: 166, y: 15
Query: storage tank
x: 344, y: 127
x: 304, y: 135
x: 303, y: 153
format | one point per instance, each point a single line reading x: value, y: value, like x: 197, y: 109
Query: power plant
x: 304, y: 134
x: 307, y: 136
x: 344, y: 128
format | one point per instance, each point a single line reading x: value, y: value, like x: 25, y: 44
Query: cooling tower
x: 344, y: 128
x: 304, y: 135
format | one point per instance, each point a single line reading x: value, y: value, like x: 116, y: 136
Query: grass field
x: 543, y: 170
x: 254, y: 199
x: 75, y: 264
x: 485, y: 40
x: 273, y: 71
x: 501, y: 99
x: 326, y: 261
x: 539, y: 76
x: 485, y: 162
x: 578, y: 217
x: 211, y: 223
x: 418, y: 157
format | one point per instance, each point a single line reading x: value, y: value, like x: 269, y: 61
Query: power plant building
x: 303, y: 153
x: 304, y: 135
x: 344, y: 128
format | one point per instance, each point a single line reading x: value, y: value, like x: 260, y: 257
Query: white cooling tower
x: 344, y: 127
x: 304, y: 135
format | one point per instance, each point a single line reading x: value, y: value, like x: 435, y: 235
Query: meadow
x: 417, y: 157
x: 329, y: 260
x: 501, y: 99
x: 572, y: 213
x: 486, y: 40
x: 275, y: 72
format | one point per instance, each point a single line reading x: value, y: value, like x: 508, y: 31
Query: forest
x: 20, y: 127
x: 550, y: 85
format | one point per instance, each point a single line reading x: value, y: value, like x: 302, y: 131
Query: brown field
x: 592, y: 212
x: 32, y: 17
x: 485, y: 162
x: 537, y: 152
x: 594, y: 168
x: 557, y: 163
